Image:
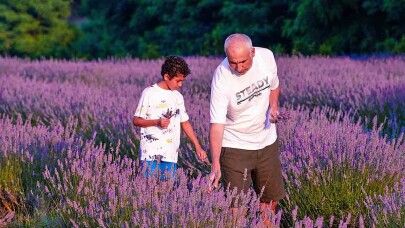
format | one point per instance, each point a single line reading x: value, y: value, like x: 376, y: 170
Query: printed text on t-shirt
x: 252, y: 90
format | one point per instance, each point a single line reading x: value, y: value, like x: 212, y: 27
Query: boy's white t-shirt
x: 241, y: 102
x: 154, y: 103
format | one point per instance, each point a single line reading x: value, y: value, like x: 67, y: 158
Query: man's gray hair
x: 238, y: 36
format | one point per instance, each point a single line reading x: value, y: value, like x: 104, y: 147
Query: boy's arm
x: 188, y: 129
x: 141, y: 122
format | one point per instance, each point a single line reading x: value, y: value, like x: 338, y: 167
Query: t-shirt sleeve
x: 219, y: 99
x: 274, y: 82
x: 183, y: 113
x: 143, y: 105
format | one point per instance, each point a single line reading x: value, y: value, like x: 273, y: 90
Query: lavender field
x: 68, y: 149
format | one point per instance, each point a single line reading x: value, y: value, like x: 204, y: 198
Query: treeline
x: 151, y: 28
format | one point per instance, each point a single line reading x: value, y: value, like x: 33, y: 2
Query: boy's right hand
x: 164, y: 123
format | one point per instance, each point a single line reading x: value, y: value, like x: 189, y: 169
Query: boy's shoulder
x: 149, y: 89
x: 176, y: 94
x: 154, y: 89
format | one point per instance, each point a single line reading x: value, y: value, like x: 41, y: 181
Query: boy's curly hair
x: 174, y: 65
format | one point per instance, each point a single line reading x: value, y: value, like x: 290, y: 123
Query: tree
x: 151, y: 29
x: 345, y: 27
x: 35, y: 28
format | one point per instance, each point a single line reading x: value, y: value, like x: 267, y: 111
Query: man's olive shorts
x: 263, y: 170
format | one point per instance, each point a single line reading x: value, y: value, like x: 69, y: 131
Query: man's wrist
x: 216, y: 164
x: 274, y: 107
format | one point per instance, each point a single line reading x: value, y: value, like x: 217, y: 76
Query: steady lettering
x: 252, y: 91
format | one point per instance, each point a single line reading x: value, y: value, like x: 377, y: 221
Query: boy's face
x: 176, y: 82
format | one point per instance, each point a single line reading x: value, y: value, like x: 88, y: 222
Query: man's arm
x: 141, y: 122
x: 274, y: 95
x: 188, y: 129
x: 216, y: 135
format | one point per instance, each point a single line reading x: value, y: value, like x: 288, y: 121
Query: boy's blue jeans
x: 163, y: 170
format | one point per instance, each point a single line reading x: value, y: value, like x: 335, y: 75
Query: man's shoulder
x: 224, y: 64
x: 265, y: 52
x: 222, y: 69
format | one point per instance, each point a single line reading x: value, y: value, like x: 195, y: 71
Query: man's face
x: 240, y: 59
x: 176, y: 82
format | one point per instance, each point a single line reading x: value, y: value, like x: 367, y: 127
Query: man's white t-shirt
x: 241, y: 102
x: 156, y: 103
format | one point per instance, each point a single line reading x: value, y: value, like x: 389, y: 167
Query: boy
x: 159, y: 114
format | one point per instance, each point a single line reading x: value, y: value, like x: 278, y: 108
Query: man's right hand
x: 216, y: 135
x: 214, y: 177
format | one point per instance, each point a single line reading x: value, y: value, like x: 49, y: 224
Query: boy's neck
x: 163, y: 85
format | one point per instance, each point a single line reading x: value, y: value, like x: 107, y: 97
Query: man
x: 243, y: 112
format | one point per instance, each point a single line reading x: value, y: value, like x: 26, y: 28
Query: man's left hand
x: 274, y: 115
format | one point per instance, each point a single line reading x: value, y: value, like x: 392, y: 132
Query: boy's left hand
x: 202, y: 155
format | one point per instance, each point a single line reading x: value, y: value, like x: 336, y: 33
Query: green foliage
x: 35, y: 28
x: 95, y: 41
x: 400, y: 46
x: 325, y: 49
x: 151, y: 29
x: 345, y: 27
x: 17, y: 180
x: 10, y: 175
x: 336, y: 191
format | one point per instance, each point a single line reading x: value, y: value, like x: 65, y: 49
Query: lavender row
x: 373, y: 87
x: 104, y: 93
x: 335, y: 167
x: 101, y: 95
x: 94, y: 188
x: 89, y: 187
x: 370, y: 87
